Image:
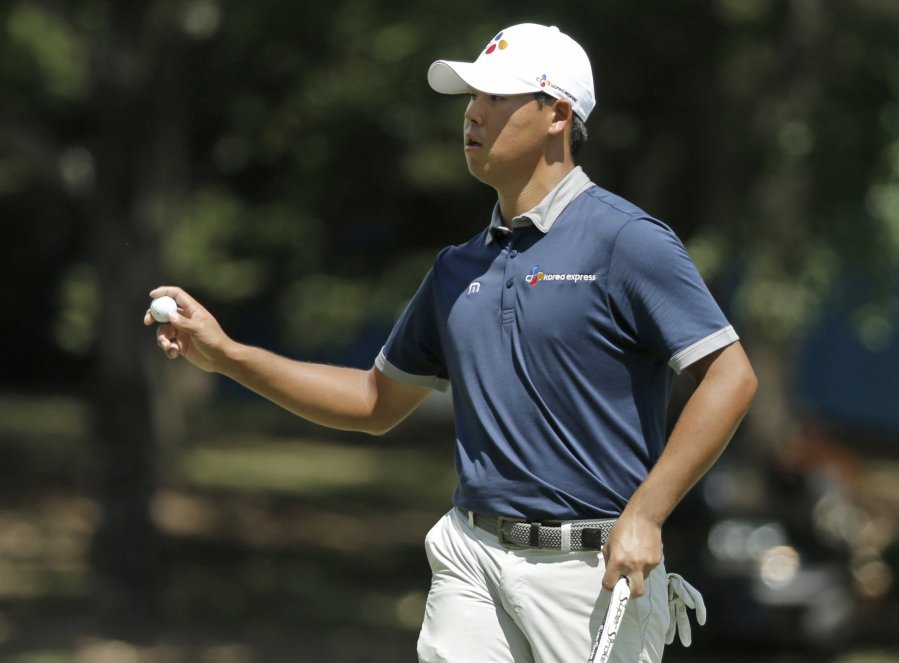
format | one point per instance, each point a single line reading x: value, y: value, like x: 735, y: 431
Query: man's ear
x: 562, y: 117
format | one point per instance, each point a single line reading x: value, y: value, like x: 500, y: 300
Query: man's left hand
x: 634, y: 549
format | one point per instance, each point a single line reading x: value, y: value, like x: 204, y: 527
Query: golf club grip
x: 608, y: 630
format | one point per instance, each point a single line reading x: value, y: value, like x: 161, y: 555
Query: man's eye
x: 493, y: 97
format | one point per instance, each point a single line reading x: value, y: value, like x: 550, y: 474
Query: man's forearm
x: 707, y: 423
x: 333, y: 396
x: 709, y: 419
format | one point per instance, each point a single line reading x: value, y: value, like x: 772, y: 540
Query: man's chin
x: 478, y: 170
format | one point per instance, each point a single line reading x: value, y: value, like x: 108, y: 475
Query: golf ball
x: 162, y: 307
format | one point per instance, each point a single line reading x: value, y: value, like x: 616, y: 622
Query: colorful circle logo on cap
x: 497, y: 43
x: 542, y: 82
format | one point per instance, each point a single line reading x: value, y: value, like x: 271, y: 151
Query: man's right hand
x: 191, y: 333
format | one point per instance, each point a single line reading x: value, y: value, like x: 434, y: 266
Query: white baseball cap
x: 521, y: 59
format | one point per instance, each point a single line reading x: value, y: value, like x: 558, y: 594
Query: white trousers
x: 491, y: 604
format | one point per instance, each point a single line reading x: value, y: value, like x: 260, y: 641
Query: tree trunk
x: 139, y: 157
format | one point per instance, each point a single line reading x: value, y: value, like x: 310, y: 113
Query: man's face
x: 505, y: 136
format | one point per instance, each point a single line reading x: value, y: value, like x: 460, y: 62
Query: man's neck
x: 516, y: 198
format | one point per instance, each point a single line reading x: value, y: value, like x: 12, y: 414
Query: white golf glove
x: 682, y: 595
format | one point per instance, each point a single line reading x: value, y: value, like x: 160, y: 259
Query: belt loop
x: 566, y: 537
x: 470, y: 519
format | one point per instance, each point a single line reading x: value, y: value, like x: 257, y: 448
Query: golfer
x: 558, y: 328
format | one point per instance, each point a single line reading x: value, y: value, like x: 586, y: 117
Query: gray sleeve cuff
x: 702, y: 348
x: 394, y: 373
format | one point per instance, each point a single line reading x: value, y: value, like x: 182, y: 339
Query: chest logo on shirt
x: 474, y: 287
x: 536, y: 276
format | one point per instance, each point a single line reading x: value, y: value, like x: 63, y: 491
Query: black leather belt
x: 551, y: 535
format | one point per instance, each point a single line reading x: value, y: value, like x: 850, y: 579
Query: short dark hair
x: 578, y: 128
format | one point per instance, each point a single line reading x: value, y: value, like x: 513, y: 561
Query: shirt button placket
x: 508, y: 297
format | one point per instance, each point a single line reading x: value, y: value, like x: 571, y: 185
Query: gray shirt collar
x: 544, y: 215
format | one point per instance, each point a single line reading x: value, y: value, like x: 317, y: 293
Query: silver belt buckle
x: 501, y: 535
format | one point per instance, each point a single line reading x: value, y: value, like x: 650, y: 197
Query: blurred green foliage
x: 50, y: 50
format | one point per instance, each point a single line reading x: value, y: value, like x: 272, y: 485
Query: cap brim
x: 449, y: 77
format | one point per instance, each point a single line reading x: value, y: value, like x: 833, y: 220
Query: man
x: 558, y: 328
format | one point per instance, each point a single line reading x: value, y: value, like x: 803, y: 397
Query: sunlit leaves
x: 323, y: 311
x: 59, y: 55
x: 233, y: 250
x: 76, y: 326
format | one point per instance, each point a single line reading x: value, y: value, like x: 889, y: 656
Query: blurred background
x: 287, y: 163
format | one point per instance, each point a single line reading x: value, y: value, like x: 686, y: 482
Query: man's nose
x: 473, y: 112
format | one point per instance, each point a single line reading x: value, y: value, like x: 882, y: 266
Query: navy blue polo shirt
x: 559, y: 340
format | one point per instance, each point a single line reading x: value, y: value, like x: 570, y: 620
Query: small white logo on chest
x: 474, y: 287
